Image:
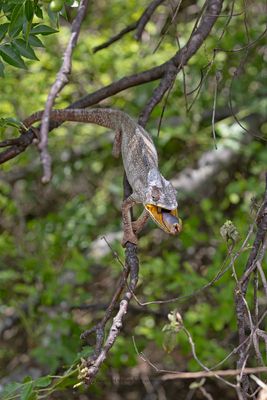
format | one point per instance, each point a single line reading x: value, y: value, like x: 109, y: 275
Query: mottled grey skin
x: 139, y: 157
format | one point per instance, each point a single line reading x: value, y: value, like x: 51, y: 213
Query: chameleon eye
x: 155, y: 194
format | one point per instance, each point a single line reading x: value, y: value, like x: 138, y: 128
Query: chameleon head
x: 161, y: 203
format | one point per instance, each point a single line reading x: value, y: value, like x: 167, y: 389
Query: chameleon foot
x: 137, y: 227
x: 129, y: 237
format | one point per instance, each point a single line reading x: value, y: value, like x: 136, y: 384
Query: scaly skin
x: 140, y: 161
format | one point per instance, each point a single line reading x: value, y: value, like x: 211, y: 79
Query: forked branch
x: 164, y: 70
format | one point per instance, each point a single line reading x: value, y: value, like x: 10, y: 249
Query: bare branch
x: 211, y: 374
x: 116, y: 37
x: 61, y: 80
x: 92, y: 364
x: 145, y: 17
x: 164, y: 70
x: 241, y: 290
x: 139, y: 24
x: 175, y: 64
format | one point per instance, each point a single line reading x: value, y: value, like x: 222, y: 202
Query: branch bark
x: 92, y: 365
x: 212, y: 374
x: 61, y: 81
x: 139, y: 25
x: 241, y: 291
x: 165, y: 70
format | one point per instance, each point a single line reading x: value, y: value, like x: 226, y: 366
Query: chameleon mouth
x: 167, y: 220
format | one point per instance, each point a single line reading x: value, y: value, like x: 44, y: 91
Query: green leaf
x: 3, y: 30
x: 29, y: 10
x: 26, y: 30
x: 10, y: 56
x: 43, y: 30
x: 2, y: 67
x: 27, y: 391
x: 24, y: 49
x: 70, y: 3
x: 16, y: 22
x: 11, y: 389
x: 10, y: 122
x: 170, y: 341
x: 35, y: 41
x: 39, y: 12
x: 42, y: 382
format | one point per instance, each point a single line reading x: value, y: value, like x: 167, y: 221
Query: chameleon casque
x: 140, y: 161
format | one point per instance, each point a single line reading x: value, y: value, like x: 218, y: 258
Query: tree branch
x: 139, y: 24
x: 145, y: 17
x: 116, y: 37
x: 177, y: 61
x: 241, y: 291
x: 212, y: 374
x: 92, y: 364
x: 61, y: 80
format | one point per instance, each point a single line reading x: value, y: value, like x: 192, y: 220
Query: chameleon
x: 140, y: 161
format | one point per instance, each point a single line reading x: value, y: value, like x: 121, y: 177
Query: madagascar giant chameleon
x: 140, y: 162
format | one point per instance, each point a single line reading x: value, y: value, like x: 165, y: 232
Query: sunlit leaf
x: 43, y: 30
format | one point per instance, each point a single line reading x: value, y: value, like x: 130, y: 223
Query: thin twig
x: 175, y: 64
x: 116, y: 37
x: 92, y: 364
x: 145, y: 17
x: 241, y: 290
x: 139, y: 24
x: 211, y: 374
x: 193, y: 44
x: 171, y: 22
x: 218, y: 275
x: 217, y: 78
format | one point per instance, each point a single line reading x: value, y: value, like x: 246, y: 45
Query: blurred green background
x: 52, y: 257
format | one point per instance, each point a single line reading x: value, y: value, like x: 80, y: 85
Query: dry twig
x: 61, y: 80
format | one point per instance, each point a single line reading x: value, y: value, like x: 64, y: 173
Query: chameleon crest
x: 161, y: 202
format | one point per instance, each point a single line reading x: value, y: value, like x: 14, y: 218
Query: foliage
x: 48, y: 266
x: 22, y: 28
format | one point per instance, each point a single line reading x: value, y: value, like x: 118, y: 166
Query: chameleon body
x: 140, y: 161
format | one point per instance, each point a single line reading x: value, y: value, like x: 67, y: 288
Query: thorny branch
x: 167, y: 71
x: 61, y: 80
